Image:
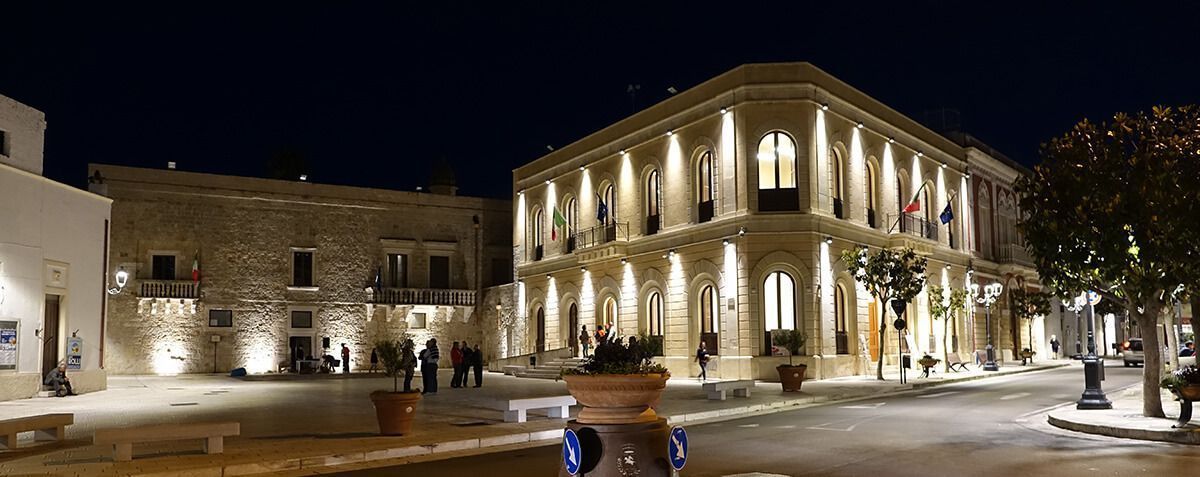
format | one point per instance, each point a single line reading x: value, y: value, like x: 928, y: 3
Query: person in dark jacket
x: 429, y: 367
x: 467, y: 361
x: 408, y: 363
x: 345, y: 358
x: 374, y: 361
x: 57, y: 377
x: 456, y: 360
x: 477, y: 364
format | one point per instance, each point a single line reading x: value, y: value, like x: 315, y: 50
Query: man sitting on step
x: 57, y: 377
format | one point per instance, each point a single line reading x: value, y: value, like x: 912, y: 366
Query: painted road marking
x: 825, y: 426
x: 1014, y: 396
x: 789, y: 426
x: 946, y: 393
x: 865, y: 406
x: 748, y: 425
x: 1059, y: 396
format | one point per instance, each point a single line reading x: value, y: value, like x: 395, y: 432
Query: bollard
x: 622, y: 449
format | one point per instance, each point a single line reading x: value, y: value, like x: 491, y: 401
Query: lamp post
x: 1093, y: 396
x: 990, y: 294
x: 1076, y: 305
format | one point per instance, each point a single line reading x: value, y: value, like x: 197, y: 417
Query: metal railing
x: 1014, y: 253
x: 169, y: 289
x: 602, y: 234
x: 916, y: 226
x: 423, y: 296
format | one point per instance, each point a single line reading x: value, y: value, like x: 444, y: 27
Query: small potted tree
x: 395, y: 410
x: 617, y: 384
x: 791, y: 375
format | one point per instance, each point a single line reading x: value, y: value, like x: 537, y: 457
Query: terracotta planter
x: 1027, y: 354
x: 617, y: 398
x: 928, y: 363
x: 791, y: 376
x: 395, y: 411
x: 1190, y: 392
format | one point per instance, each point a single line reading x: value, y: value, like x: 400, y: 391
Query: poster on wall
x: 74, y: 353
x: 8, y: 345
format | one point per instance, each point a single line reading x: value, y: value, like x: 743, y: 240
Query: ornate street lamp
x: 990, y: 294
x: 122, y: 278
x: 1093, y: 395
x: 1076, y: 305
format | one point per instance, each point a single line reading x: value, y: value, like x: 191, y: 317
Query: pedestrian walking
x: 585, y: 340
x: 374, y: 361
x: 702, y: 358
x: 345, y: 358
x: 1054, y: 344
x: 467, y: 361
x: 408, y: 362
x: 477, y: 363
x: 429, y: 367
x: 456, y: 360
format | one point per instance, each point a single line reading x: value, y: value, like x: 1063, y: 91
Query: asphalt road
x: 974, y: 428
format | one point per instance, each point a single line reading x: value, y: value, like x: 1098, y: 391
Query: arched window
x: 927, y: 204
x: 609, y: 314
x: 871, y: 194
x: 706, y: 181
x: 840, y: 317
x: 573, y: 327
x: 654, y: 314
x: 610, y: 201
x: 708, y: 319
x: 777, y: 172
x: 984, y: 220
x: 779, y: 305
x: 541, y: 329
x: 571, y: 214
x: 538, y: 218
x: 653, y: 202
x: 837, y: 183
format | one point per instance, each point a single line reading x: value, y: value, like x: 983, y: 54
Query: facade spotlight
x: 920, y: 154
x: 824, y: 106
x: 891, y: 140
x: 671, y: 253
x: 725, y: 242
x: 303, y: 177
x: 548, y: 276
x: 583, y: 269
x: 621, y: 152
x: 547, y: 181
x: 742, y: 231
x: 967, y: 175
x: 521, y: 192
x: 581, y: 168
x: 947, y: 266
x: 860, y: 125
x: 944, y: 165
x: 828, y: 240
x: 624, y: 260
x: 670, y: 132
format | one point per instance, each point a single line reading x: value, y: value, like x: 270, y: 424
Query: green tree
x: 1026, y: 305
x: 1113, y: 208
x: 888, y: 275
x: 945, y: 304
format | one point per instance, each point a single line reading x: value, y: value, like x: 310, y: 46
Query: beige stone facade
x: 285, y: 264
x: 728, y: 206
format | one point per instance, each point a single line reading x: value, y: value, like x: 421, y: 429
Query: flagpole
x: 901, y: 215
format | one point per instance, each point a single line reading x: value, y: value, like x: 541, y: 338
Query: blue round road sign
x: 677, y: 448
x: 572, y: 453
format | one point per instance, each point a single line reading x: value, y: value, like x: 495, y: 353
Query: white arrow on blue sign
x: 572, y: 454
x: 677, y: 448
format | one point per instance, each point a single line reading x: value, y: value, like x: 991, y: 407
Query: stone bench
x: 122, y: 439
x: 515, y: 410
x: 45, y: 427
x: 716, y: 390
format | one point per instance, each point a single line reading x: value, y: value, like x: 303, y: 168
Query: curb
x: 1191, y: 437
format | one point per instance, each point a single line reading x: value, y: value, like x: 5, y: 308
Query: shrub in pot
x: 791, y: 375
x: 1184, y: 382
x: 395, y: 410
x: 618, y: 384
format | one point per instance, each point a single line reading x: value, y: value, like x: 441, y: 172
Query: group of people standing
x: 603, y: 334
x: 466, y: 359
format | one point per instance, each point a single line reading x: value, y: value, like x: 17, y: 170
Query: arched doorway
x: 541, y: 329
x: 573, y: 327
x: 709, y: 331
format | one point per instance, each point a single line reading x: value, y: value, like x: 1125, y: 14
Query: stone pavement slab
x: 1125, y: 419
x: 292, y: 425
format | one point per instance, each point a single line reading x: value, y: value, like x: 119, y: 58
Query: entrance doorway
x: 573, y: 328
x: 299, y: 347
x: 50, y: 334
x: 541, y: 330
x: 873, y: 334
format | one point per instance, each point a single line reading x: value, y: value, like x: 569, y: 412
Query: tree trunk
x: 882, y: 336
x: 1172, y: 338
x: 1152, y: 368
x: 946, y: 342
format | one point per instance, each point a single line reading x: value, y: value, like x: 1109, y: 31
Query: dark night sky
x: 373, y: 92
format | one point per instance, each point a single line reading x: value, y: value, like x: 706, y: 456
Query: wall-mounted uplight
x: 624, y: 260
x: 947, y: 266
x: 547, y: 181
x: 725, y: 242
x: 861, y: 125
x: 122, y: 277
x: 582, y: 168
x: 920, y: 154
x: 724, y: 110
x: 521, y: 192
x: 742, y: 231
x: 824, y: 106
x: 670, y: 132
x: 671, y: 253
x: 828, y: 240
x: 548, y: 276
x: 621, y: 152
x: 891, y: 140
x: 583, y: 269
x: 944, y: 165
x: 303, y: 177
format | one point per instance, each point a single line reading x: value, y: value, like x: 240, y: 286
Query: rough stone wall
x: 244, y: 230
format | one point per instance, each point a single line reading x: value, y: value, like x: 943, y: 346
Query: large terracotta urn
x: 395, y: 411
x: 791, y: 376
x: 617, y: 398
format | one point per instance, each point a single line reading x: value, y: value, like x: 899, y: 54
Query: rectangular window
x: 302, y: 270
x: 397, y: 270
x: 418, y: 321
x: 301, y: 319
x: 220, y: 318
x: 163, y: 267
x: 4, y: 143
x: 439, y: 271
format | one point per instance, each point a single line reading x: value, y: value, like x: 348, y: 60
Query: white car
x: 1131, y: 352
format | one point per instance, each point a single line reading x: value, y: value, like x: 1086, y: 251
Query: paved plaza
x: 310, y: 422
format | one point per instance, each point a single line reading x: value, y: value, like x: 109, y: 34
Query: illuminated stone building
x: 281, y: 265
x: 728, y: 205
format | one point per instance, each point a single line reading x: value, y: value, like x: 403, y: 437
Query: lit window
x: 706, y: 181
x: 654, y: 307
x: 779, y: 300
x: 708, y: 319
x: 302, y: 268
x: 776, y: 161
x: 610, y: 201
x: 653, y: 203
x: 418, y: 321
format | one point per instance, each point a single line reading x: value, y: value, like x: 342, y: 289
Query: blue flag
x: 947, y: 214
x: 601, y: 209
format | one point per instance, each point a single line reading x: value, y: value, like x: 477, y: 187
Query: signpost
x: 677, y: 448
x: 74, y: 353
x: 572, y: 453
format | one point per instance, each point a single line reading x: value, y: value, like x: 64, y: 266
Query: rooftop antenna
x: 632, y: 90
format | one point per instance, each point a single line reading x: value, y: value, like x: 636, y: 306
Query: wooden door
x: 873, y: 335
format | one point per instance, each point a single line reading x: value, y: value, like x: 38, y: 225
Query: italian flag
x: 196, y: 267
x: 559, y: 221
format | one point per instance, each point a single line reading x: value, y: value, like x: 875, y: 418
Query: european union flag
x: 601, y: 210
x: 947, y: 214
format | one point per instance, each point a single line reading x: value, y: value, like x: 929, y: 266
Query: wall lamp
x: 824, y: 106
x: 724, y: 110
x: 829, y: 240
x: 670, y: 132
x: 742, y: 231
x: 122, y: 277
x: 860, y: 125
x: 624, y: 260
x: 621, y: 152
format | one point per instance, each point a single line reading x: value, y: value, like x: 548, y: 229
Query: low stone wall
x: 19, y: 386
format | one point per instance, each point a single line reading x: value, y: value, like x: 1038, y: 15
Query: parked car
x: 1132, y: 353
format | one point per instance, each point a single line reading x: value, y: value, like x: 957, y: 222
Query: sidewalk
x: 1125, y: 419
x: 298, y: 424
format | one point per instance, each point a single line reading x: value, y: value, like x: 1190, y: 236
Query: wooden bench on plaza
x: 716, y: 390
x: 515, y: 410
x: 45, y: 427
x: 956, y: 363
x: 122, y: 439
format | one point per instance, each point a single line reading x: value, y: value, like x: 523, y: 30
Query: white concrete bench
x: 122, y: 439
x: 45, y: 427
x: 716, y: 390
x: 559, y: 407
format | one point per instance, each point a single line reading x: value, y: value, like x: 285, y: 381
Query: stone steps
x: 550, y: 370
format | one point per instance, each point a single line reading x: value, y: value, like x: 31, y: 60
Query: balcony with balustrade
x: 423, y: 296
x: 1014, y: 254
x: 183, y: 289
x: 602, y: 241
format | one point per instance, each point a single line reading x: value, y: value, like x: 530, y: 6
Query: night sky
x: 372, y: 93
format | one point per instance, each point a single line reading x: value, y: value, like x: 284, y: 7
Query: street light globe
x: 122, y: 278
